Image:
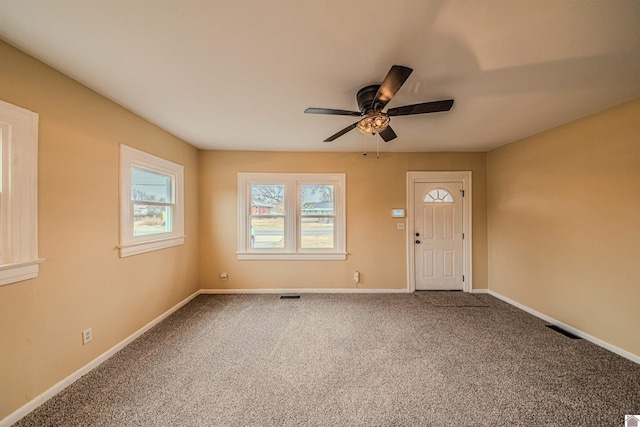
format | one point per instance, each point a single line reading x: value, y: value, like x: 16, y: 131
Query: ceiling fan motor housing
x: 365, y: 98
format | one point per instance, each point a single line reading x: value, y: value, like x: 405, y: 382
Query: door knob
x: 417, y: 234
x: 418, y: 241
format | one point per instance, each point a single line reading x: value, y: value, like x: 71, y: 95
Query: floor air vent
x: 289, y: 296
x: 563, y: 332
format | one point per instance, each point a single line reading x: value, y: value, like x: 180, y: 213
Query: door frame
x: 464, y: 177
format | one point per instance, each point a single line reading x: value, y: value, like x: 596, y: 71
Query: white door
x: 438, y: 236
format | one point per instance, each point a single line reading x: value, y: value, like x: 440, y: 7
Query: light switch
x: 400, y: 225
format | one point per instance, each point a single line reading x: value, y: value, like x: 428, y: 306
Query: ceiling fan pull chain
x: 377, y: 145
x: 364, y: 144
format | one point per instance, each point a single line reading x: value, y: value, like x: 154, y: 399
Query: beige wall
x: 564, y: 234
x: 83, y: 283
x: 374, y: 187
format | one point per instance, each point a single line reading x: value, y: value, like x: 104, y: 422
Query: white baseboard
x: 305, y: 291
x: 24, y: 410
x: 617, y: 350
x: 317, y: 291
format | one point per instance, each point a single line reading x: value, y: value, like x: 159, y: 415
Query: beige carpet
x: 350, y: 360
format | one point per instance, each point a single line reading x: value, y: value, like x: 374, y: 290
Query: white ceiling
x: 238, y: 74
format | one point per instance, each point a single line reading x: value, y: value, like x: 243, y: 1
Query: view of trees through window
x: 151, y: 193
x: 268, y: 215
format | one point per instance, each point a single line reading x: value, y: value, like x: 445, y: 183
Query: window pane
x: 150, y: 186
x: 438, y: 195
x: 267, y: 199
x: 316, y: 233
x: 151, y: 219
x: 267, y: 232
x: 316, y: 200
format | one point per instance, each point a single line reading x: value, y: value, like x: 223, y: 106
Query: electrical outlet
x: 356, y: 277
x: 224, y: 276
x: 87, y: 336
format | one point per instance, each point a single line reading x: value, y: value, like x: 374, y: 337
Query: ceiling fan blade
x: 332, y: 112
x: 395, y: 78
x: 425, y: 107
x: 388, y: 134
x: 342, y: 132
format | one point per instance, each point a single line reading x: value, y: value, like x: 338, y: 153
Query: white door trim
x: 467, y: 259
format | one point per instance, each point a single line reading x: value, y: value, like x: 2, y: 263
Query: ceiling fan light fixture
x: 373, y: 123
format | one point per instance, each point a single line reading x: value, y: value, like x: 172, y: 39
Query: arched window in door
x: 438, y: 195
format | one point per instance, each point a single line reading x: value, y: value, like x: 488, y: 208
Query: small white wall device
x: 397, y: 213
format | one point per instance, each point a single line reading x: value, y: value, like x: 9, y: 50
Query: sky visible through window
x: 150, y: 186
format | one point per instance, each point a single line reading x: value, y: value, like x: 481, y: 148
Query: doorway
x: 439, y: 231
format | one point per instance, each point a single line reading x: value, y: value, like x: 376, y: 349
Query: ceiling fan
x: 372, y: 100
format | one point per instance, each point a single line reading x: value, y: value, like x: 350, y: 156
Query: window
x: 151, y: 202
x: 438, y: 195
x: 291, y: 216
x: 317, y: 216
x: 18, y: 194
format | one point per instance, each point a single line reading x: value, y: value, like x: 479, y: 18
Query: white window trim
x: 19, y: 216
x: 292, y: 182
x: 134, y: 245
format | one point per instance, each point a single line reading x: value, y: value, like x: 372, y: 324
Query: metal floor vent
x: 563, y: 332
x: 289, y: 296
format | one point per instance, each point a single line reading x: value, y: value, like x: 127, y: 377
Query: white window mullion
x: 245, y: 222
x: 298, y: 216
x: 290, y: 221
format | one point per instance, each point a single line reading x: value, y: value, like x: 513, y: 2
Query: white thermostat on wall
x: 397, y: 213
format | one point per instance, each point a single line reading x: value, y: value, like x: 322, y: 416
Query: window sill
x: 17, y: 272
x: 136, y: 248
x: 247, y: 256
